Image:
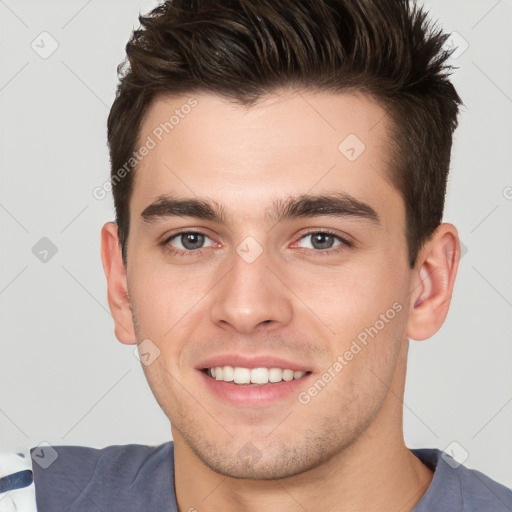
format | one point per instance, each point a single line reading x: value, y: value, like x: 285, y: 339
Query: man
x: 279, y: 172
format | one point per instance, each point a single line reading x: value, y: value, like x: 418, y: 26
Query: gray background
x: 64, y: 377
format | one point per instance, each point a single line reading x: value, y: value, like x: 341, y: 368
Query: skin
x: 345, y: 447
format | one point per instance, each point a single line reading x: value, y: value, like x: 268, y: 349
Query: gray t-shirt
x: 128, y: 478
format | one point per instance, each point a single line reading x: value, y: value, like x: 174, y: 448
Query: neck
x: 377, y: 472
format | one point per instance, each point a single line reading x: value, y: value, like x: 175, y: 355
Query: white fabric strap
x: 17, y: 500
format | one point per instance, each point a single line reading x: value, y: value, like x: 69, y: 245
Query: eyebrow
x: 306, y: 205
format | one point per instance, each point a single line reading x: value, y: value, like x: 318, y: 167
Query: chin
x: 272, y: 462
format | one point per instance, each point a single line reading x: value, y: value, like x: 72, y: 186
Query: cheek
x: 364, y: 308
x: 164, y: 297
x: 164, y: 383
x: 351, y: 297
x: 362, y: 363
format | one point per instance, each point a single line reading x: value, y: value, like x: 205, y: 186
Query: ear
x: 432, y: 282
x: 115, y: 272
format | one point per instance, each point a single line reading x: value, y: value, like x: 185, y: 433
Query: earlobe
x: 115, y: 273
x: 432, y: 283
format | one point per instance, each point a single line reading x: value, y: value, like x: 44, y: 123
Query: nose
x: 251, y: 296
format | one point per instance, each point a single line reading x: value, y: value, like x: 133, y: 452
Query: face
x: 268, y: 237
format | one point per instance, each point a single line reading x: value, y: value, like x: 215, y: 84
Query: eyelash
x: 318, y: 252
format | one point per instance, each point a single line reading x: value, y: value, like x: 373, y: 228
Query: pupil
x: 192, y: 240
x: 319, y: 241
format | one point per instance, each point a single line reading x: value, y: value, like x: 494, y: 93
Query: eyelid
x: 303, y: 237
x: 345, y: 242
x: 167, y: 239
x: 178, y: 235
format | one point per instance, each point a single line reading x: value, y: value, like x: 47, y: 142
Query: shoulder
x: 479, y: 491
x: 457, y: 488
x: 88, y: 459
x: 118, y: 477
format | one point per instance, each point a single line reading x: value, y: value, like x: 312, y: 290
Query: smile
x: 258, y: 376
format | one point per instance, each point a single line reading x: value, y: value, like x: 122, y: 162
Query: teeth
x: 241, y: 375
x: 260, y: 376
x: 228, y: 374
x: 275, y: 375
x: 288, y: 375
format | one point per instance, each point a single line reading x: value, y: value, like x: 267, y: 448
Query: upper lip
x: 252, y: 361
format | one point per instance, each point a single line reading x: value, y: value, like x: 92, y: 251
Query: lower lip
x: 254, y: 395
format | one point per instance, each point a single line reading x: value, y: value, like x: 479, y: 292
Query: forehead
x: 244, y: 158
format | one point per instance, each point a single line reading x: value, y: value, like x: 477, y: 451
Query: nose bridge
x: 250, y: 294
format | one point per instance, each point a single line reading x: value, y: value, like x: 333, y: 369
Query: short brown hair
x: 246, y: 49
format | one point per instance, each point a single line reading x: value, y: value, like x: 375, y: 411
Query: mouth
x: 253, y: 376
x: 253, y: 380
x: 254, y: 388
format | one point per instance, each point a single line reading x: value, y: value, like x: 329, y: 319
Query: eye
x: 322, y: 241
x: 189, y: 241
